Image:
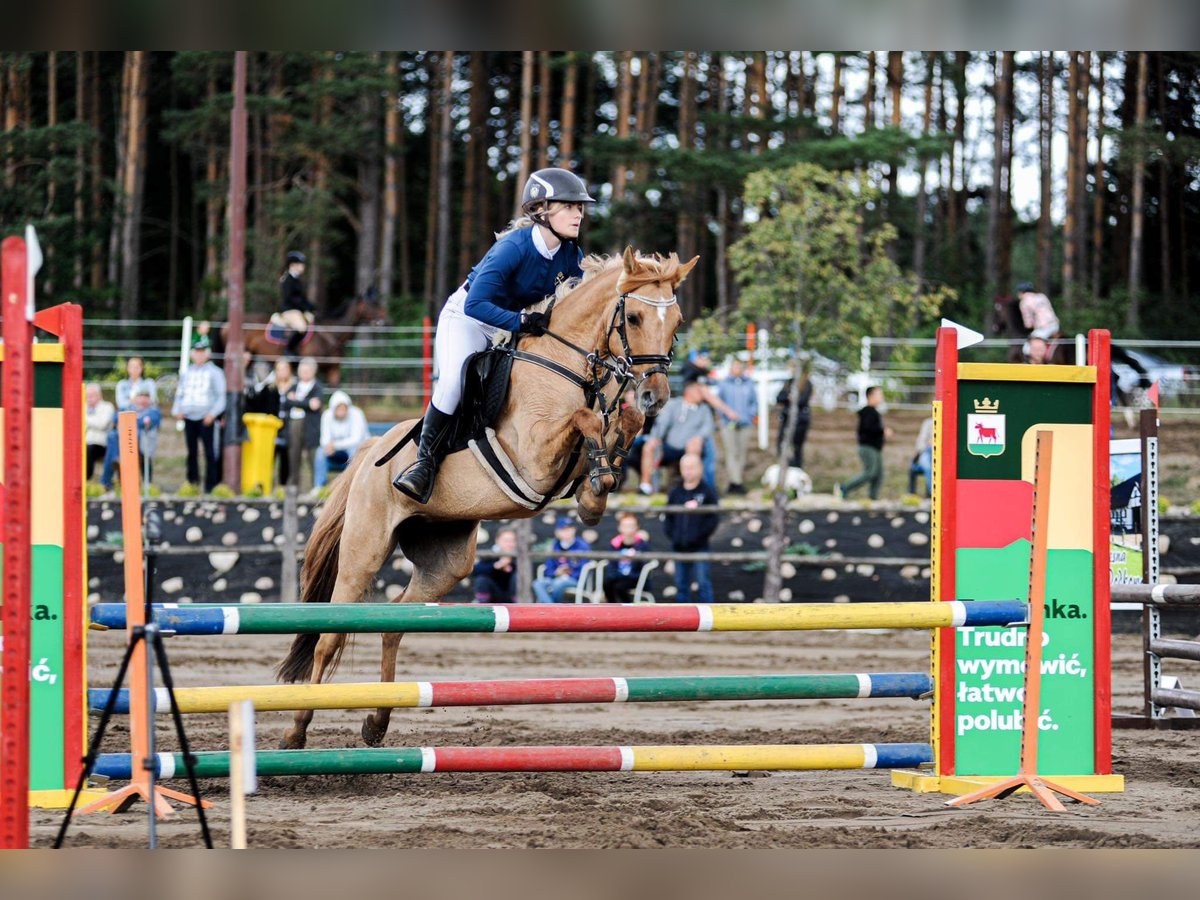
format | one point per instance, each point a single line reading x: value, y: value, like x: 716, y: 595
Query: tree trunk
x: 81, y: 77
x: 999, y: 104
x: 1045, y: 225
x: 1004, y: 251
x: 1137, y: 202
x: 1098, y: 185
x: 47, y: 288
x: 526, y: 125
x: 121, y: 145
x: 543, y: 109
x: 869, y: 94
x: 474, y: 163
x: 647, y: 110
x: 685, y: 238
x: 445, y: 133
x: 624, y: 104
x: 433, y: 302
x: 920, y: 228
x: 318, y: 275
x: 1070, y: 223
x: 566, y: 145
x: 176, y: 226
x: 721, y: 263
x: 835, y: 109
x: 391, y: 137
x: 958, y: 185
x: 133, y: 183
x: 96, y: 279
x: 895, y: 83
x: 366, y: 263
x: 1081, y: 171
x: 1164, y: 206
x: 212, y: 206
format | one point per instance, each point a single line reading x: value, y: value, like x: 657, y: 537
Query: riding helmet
x: 1025, y: 287
x: 296, y: 257
x: 554, y: 184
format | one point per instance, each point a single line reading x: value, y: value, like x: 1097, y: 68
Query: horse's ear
x: 685, y: 268
x: 629, y: 259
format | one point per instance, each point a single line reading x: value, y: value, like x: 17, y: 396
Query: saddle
x: 278, y: 332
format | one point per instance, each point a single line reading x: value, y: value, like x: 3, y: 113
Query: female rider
x: 526, y: 264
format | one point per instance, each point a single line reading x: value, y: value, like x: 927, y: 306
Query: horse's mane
x: 340, y: 312
x: 651, y: 270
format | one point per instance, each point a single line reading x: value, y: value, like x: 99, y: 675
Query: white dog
x: 796, y: 479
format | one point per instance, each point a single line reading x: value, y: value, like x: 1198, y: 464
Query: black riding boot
x: 417, y: 480
x: 292, y: 350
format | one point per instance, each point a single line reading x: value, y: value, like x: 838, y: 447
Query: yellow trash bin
x: 258, y: 453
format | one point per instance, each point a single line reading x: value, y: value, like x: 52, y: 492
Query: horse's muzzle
x: 650, y: 400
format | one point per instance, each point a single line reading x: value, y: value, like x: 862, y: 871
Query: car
x: 1173, y: 379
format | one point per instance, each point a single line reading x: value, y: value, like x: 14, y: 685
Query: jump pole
x: 414, y: 760
x: 370, y: 618
x: 443, y: 694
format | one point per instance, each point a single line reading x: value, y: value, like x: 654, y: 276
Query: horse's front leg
x: 590, y: 426
x: 629, y: 426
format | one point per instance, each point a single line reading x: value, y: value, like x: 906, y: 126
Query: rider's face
x: 565, y: 218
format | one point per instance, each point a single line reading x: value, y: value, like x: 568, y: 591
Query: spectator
x: 149, y: 419
x: 267, y: 397
x: 922, y: 462
x: 343, y: 429
x: 737, y: 391
x: 698, y: 370
x: 127, y: 387
x: 99, y: 418
x: 621, y: 575
x: 562, y: 574
x: 683, y: 426
x: 634, y: 460
x: 495, y: 579
x: 798, y: 432
x: 871, y: 435
x: 135, y: 378
x: 300, y: 409
x: 689, y: 532
x: 199, y: 400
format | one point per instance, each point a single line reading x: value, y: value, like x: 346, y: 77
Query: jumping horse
x: 614, y: 330
x: 328, y: 336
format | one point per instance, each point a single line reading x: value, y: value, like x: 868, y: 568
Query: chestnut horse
x: 330, y: 334
x: 614, y: 330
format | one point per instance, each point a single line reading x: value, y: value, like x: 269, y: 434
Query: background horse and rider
x: 1008, y: 323
x: 326, y: 340
x: 614, y: 330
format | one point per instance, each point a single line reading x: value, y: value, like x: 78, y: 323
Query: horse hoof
x: 372, y: 734
x: 293, y: 741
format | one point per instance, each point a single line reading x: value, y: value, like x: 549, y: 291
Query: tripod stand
x: 148, y: 638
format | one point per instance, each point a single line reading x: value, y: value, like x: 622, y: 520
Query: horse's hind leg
x: 442, y: 554
x: 362, y: 552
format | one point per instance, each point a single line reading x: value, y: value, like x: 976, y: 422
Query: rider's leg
x: 457, y: 338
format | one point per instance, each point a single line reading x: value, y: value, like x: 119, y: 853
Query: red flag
x: 1152, y: 395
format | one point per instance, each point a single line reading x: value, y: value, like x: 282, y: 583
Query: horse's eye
x: 634, y: 319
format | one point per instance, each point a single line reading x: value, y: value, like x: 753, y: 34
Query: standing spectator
x: 199, y: 400
x: 682, y: 427
x: 871, y: 435
x: 689, y: 532
x: 135, y: 379
x: 621, y: 575
x: 495, y: 579
x: 562, y: 574
x: 269, y: 398
x: 798, y: 432
x: 302, y: 403
x: 922, y: 462
x: 343, y: 429
x: 98, y: 420
x: 737, y: 391
x: 149, y: 419
x: 698, y: 370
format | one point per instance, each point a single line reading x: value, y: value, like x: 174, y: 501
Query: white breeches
x: 458, y: 336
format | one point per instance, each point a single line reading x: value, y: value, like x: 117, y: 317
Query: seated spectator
x: 685, y: 425
x: 496, y: 579
x: 99, y: 418
x: 922, y: 461
x: 562, y: 574
x: 621, y: 575
x: 698, y: 370
x: 343, y: 429
x: 149, y: 420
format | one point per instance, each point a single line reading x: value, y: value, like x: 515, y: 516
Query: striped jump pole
x: 401, y: 760
x: 534, y: 691
x: 370, y: 618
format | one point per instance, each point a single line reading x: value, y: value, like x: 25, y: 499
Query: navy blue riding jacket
x: 514, y: 275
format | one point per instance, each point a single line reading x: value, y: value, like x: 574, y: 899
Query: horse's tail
x: 320, y: 570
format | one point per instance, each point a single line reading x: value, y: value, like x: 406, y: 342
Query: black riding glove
x: 535, y: 323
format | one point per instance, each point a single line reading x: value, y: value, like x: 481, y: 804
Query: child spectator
x: 495, y: 579
x: 871, y: 435
x: 149, y: 420
x: 621, y: 575
x: 343, y: 429
x: 99, y: 419
x: 562, y: 574
x: 689, y: 532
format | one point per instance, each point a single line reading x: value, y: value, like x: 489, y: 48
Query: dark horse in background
x: 1007, y: 323
x: 327, y: 338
